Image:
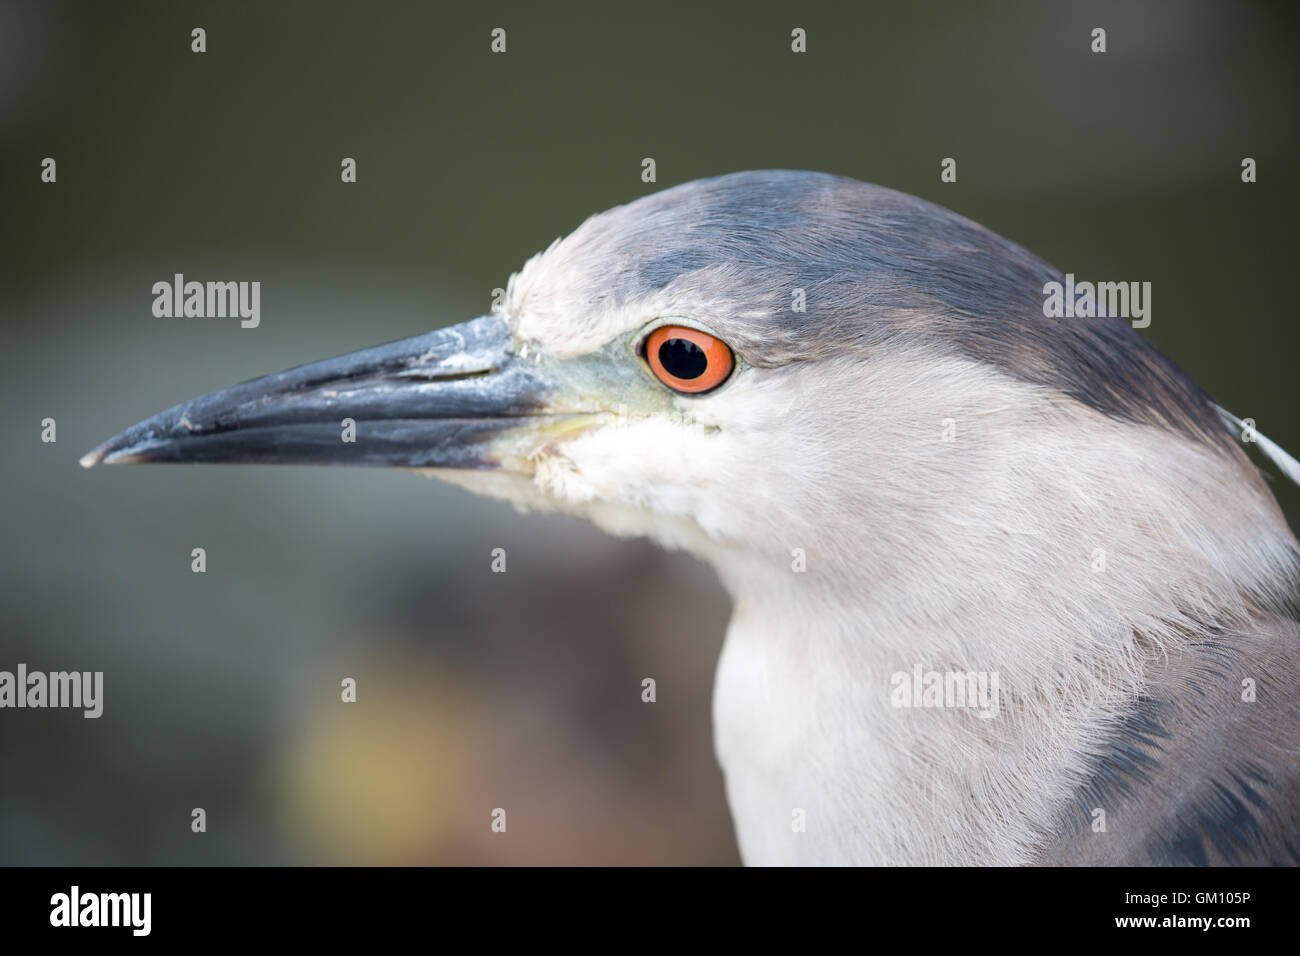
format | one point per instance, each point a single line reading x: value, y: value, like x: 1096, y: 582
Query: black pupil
x: 683, y: 359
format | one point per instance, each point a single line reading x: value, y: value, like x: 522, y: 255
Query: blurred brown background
x: 481, y: 690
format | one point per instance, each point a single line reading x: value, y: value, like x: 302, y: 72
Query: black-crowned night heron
x: 851, y: 403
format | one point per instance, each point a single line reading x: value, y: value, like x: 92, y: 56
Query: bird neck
x: 1045, y: 550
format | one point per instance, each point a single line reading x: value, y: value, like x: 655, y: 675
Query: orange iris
x: 688, y: 360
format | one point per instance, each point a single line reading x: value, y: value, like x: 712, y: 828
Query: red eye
x: 688, y: 360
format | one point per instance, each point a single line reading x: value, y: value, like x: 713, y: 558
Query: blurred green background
x: 479, y: 690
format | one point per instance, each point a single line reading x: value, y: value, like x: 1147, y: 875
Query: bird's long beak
x: 432, y: 401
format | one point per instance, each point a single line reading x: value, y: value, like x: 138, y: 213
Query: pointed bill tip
x: 106, y: 455
x: 121, y: 449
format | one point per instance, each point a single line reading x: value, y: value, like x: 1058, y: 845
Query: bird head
x: 732, y: 364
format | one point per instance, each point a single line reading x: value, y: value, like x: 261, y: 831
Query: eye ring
x: 688, y: 360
